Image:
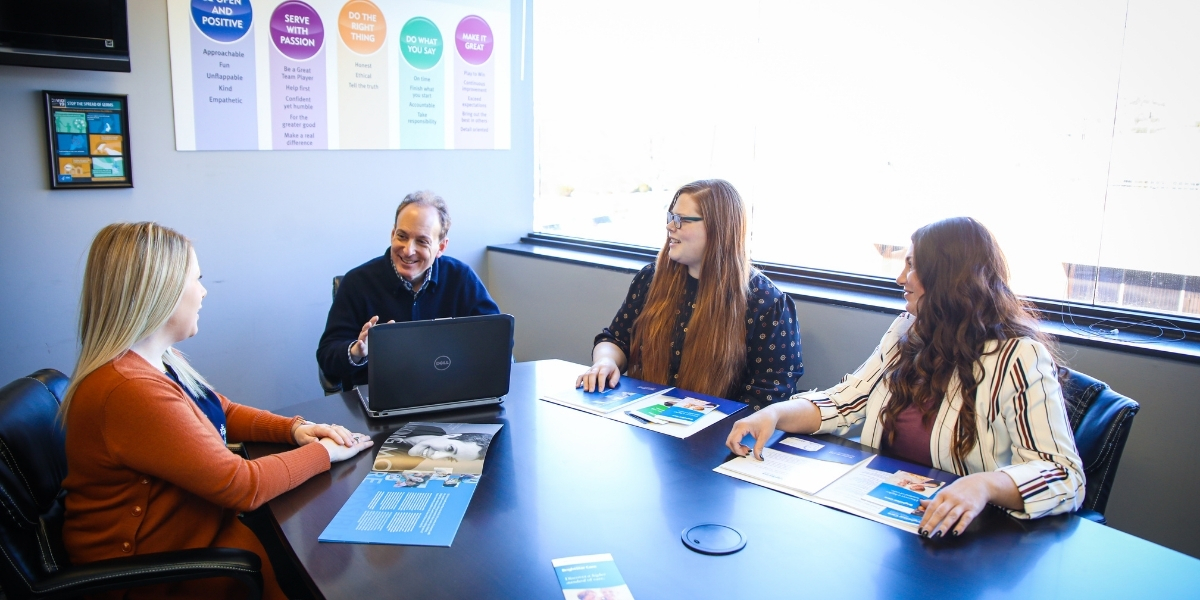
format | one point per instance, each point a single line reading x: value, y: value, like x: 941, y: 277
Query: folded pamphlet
x: 593, y: 577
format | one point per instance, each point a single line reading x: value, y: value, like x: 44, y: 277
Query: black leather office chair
x: 1100, y: 419
x: 329, y: 386
x: 33, y: 463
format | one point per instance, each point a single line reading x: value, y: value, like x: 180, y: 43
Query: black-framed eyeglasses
x: 677, y: 221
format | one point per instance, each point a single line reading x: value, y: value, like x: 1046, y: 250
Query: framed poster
x: 88, y: 140
x: 341, y: 74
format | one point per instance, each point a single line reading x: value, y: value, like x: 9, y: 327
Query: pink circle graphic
x: 473, y: 37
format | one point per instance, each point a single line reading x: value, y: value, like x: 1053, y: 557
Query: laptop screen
x: 421, y: 363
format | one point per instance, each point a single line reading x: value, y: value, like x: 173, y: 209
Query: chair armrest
x: 1091, y: 515
x: 153, y: 569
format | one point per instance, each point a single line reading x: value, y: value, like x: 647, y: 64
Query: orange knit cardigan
x: 148, y: 472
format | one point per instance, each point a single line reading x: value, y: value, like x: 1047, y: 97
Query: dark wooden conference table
x: 558, y: 482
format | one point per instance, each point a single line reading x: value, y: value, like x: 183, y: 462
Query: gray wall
x: 559, y: 308
x: 270, y: 228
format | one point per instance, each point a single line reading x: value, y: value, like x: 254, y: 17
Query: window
x: 1071, y: 128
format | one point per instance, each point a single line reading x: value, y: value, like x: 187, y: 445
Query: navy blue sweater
x: 373, y: 289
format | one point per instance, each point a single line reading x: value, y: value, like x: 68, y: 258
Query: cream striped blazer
x: 1020, y: 415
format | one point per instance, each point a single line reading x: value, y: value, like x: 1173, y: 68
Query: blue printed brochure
x: 595, y: 577
x: 904, y: 491
x: 666, y: 410
x: 418, y: 490
x: 879, y: 488
x: 684, y: 407
x: 628, y: 391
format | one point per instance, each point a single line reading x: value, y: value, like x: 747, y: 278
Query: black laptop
x: 422, y: 366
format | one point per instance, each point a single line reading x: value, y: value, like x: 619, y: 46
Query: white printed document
x: 879, y: 488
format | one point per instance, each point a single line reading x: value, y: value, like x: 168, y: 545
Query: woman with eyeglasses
x: 700, y: 317
x: 963, y: 381
x: 147, y: 466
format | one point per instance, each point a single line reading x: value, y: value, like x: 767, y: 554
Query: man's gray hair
x: 428, y: 198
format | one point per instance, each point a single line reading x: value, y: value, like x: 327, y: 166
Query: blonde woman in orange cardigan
x: 147, y: 466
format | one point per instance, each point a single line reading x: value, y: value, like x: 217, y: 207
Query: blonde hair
x: 135, y: 275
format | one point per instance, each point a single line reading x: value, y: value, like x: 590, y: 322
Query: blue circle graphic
x: 222, y: 20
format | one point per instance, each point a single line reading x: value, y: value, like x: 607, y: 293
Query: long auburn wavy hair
x: 714, y: 347
x: 967, y: 303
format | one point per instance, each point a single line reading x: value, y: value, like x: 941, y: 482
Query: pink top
x: 912, y: 438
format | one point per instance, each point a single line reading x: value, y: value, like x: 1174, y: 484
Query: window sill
x: 835, y: 289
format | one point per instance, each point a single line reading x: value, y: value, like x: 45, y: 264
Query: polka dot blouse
x: 773, y: 361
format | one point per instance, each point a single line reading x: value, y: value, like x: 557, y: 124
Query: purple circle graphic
x: 474, y: 40
x: 296, y: 30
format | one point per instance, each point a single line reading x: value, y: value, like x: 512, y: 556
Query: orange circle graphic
x: 362, y: 26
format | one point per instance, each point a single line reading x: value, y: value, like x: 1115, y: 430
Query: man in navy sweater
x: 412, y: 281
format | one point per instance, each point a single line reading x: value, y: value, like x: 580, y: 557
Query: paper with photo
x: 420, y: 446
x: 628, y: 391
x: 646, y: 408
x: 904, y: 491
x: 683, y: 410
x: 418, y: 491
x: 809, y: 447
x: 852, y: 493
x: 798, y: 473
x: 878, y: 488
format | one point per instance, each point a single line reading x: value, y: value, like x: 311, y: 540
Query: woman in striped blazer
x: 963, y: 381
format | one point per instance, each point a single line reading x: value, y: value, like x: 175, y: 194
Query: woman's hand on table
x: 952, y: 510
x: 605, y: 371
x: 308, y: 432
x: 761, y: 425
x: 339, y: 452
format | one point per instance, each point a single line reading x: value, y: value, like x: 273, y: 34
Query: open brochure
x: 628, y: 391
x: 418, y: 490
x: 878, y: 488
x: 671, y: 411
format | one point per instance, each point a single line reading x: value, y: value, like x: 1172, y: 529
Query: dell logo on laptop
x: 441, y: 363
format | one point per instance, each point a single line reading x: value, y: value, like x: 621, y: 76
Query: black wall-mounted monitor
x: 65, y: 34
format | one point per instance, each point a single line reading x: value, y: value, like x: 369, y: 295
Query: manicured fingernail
x: 955, y: 532
x: 922, y: 532
x: 937, y: 535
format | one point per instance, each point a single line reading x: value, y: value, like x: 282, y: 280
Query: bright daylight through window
x: 1070, y: 128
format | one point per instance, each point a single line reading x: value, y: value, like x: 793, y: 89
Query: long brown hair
x: 967, y: 303
x: 714, y: 347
